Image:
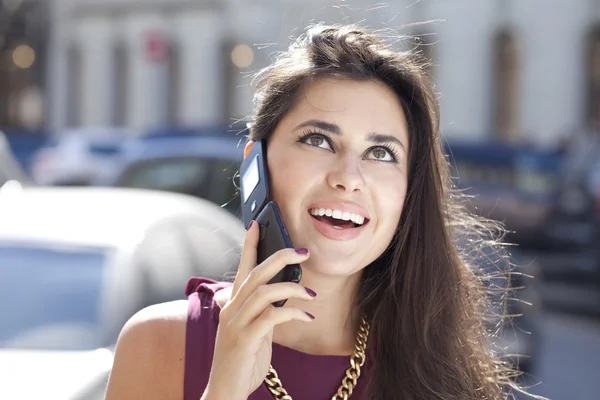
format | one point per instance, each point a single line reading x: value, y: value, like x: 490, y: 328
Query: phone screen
x: 250, y: 179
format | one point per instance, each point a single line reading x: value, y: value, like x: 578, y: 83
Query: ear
x: 248, y: 148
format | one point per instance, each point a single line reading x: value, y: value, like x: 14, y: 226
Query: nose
x: 346, y: 175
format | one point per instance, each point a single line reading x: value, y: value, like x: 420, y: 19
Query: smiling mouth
x: 338, y: 219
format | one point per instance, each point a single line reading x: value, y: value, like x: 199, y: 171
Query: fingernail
x: 310, y: 315
x: 302, y: 251
x: 310, y: 292
x: 250, y: 225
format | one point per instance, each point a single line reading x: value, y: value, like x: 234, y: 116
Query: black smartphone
x: 257, y: 205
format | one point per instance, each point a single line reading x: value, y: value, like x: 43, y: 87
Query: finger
x: 264, y: 272
x: 248, y: 258
x: 274, y: 316
x: 265, y: 295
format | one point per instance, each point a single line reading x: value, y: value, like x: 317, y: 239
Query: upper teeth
x: 337, y: 214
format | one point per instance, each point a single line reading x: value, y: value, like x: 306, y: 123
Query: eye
x: 317, y: 140
x: 381, y: 154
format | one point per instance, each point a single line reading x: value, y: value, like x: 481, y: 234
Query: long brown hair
x: 426, y: 302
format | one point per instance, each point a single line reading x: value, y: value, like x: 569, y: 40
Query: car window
x: 530, y: 173
x: 50, y: 296
x: 208, y: 178
x: 222, y: 188
x: 104, y: 149
x: 179, y: 175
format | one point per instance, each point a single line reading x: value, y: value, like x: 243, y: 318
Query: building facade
x: 519, y: 70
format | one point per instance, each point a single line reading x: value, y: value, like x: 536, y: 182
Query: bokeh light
x: 23, y: 56
x: 242, y: 56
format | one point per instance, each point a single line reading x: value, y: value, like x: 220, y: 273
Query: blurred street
x: 569, y: 361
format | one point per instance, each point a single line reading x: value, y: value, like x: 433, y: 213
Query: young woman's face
x: 338, y: 165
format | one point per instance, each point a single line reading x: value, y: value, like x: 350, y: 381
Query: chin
x: 332, y: 264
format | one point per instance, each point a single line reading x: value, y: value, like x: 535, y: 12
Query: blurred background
x: 120, y: 143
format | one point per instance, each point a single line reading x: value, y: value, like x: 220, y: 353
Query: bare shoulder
x: 150, y: 354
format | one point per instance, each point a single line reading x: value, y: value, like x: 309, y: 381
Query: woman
x: 387, y: 307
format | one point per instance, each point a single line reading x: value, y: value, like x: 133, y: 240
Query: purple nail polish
x: 310, y: 292
x: 250, y: 224
x: 302, y: 251
x: 310, y: 315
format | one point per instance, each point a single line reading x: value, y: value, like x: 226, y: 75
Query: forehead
x: 356, y: 106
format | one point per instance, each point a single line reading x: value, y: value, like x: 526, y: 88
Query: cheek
x: 390, y: 196
x: 285, y: 178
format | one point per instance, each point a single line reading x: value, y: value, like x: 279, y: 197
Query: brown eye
x: 379, y: 154
x: 316, y: 140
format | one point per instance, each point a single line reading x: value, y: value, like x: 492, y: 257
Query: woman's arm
x: 150, y: 355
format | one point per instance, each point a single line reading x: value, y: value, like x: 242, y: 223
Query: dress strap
x: 200, y: 335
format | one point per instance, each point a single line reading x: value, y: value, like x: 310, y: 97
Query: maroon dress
x: 304, y: 376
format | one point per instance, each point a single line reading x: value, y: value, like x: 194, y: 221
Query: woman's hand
x: 244, y: 338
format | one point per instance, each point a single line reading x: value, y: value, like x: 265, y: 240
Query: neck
x: 334, y: 312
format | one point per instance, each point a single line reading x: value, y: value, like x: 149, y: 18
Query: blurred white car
x: 76, y: 263
x: 79, y: 156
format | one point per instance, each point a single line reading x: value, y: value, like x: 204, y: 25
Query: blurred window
x: 174, y: 81
x: 75, y: 86
x: 121, y: 70
x: 507, y: 59
x: 593, y: 78
x: 50, y: 296
x: 208, y: 178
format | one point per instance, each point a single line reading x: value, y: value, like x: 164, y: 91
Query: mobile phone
x: 257, y: 205
x: 274, y: 237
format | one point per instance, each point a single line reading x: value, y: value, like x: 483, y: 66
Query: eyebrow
x: 373, y: 137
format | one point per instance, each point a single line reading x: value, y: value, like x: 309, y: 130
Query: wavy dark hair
x: 425, y: 300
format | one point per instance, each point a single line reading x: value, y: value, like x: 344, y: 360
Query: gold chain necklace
x: 348, y: 382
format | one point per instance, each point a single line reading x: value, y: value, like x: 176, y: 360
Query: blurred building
x: 23, y: 43
x: 520, y: 70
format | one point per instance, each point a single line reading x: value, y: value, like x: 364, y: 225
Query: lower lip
x: 333, y: 233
